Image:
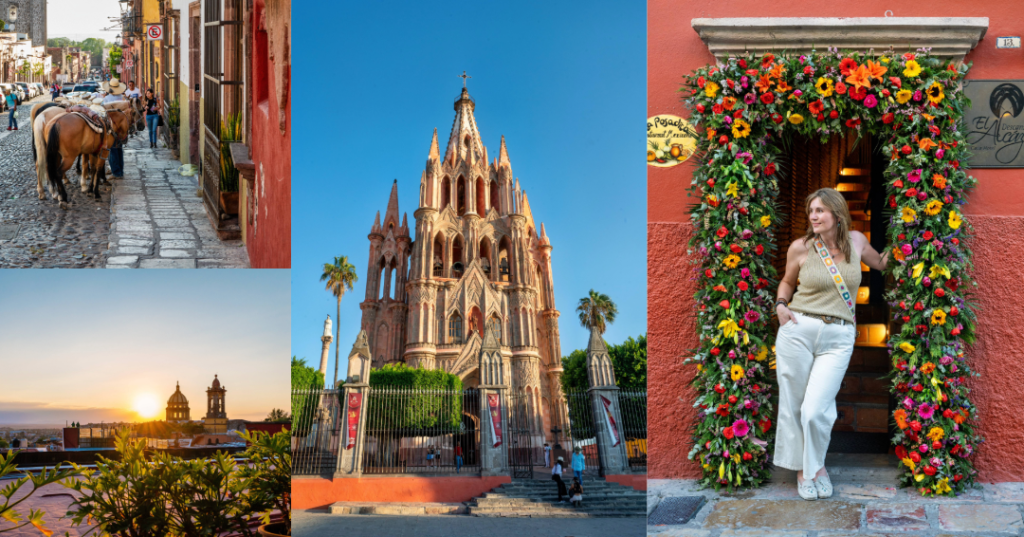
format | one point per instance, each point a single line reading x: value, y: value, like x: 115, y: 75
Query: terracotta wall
x: 996, y: 209
x: 269, y: 240
x: 312, y: 493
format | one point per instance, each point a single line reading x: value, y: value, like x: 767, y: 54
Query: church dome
x: 216, y: 383
x: 178, y: 397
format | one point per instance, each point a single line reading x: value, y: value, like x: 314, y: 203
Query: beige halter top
x: 816, y: 293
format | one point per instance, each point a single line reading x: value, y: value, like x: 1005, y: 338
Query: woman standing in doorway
x: 152, y: 116
x: 817, y: 329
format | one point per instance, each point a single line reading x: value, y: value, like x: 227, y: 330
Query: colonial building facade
x: 478, y: 260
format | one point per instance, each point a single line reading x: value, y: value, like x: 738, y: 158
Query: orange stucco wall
x: 996, y: 209
x: 639, y: 482
x: 312, y: 493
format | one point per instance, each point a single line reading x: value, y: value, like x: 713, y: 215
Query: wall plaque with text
x: 995, y: 123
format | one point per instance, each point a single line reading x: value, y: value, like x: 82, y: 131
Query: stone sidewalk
x: 855, y: 509
x: 317, y: 523
x: 157, y: 217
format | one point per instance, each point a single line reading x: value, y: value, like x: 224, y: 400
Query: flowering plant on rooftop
x: 745, y: 109
x: 11, y: 519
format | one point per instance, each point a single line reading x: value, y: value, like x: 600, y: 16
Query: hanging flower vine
x: 913, y: 104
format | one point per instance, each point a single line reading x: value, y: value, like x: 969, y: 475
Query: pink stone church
x: 478, y: 260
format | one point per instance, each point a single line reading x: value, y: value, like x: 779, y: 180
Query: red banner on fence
x: 494, y: 404
x: 355, y: 400
x: 611, y: 420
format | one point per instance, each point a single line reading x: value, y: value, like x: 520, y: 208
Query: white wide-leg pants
x: 811, y: 358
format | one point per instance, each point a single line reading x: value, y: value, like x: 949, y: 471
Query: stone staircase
x: 539, y: 498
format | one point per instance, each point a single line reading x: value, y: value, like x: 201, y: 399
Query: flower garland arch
x: 914, y: 104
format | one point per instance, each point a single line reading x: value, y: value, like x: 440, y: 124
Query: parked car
x: 89, y: 86
x: 41, y: 89
x: 67, y: 87
x: 4, y: 90
x: 26, y: 91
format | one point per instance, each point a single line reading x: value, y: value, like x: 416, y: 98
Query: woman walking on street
x: 816, y: 335
x: 152, y: 116
x: 556, y: 476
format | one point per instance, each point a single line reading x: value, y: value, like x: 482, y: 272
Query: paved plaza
x: 152, y: 218
x: 855, y: 509
x: 317, y: 523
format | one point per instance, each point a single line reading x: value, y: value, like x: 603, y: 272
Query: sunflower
x: 766, y: 221
x: 711, y: 90
x: 736, y: 372
x: 938, y: 317
x: 902, y: 96
x: 762, y: 354
x: 907, y: 347
x: 740, y: 129
x: 912, y: 69
x: 908, y: 215
x: 933, y: 208
x: 825, y: 86
x: 796, y: 119
x: 936, y: 433
x: 934, y: 93
x: 954, y: 220
x: 731, y: 261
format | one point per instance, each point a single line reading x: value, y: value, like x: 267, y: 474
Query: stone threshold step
x: 396, y: 508
x: 615, y: 514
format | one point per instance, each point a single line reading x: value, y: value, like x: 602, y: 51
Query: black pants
x: 561, y: 486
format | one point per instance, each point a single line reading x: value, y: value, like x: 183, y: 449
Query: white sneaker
x: 807, y: 489
x: 824, y: 486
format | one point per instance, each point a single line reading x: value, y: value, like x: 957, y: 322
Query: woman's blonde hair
x: 836, y: 204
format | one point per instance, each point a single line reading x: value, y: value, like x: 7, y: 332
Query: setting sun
x: 147, y: 406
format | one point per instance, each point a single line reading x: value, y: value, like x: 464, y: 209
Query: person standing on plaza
x: 115, y: 93
x: 12, y: 106
x: 458, y: 458
x: 816, y: 335
x: 579, y: 463
x: 430, y: 456
x: 556, y: 476
x: 547, y: 455
x: 152, y: 116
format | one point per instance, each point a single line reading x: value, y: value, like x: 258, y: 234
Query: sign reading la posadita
x: 995, y: 123
x: 670, y: 140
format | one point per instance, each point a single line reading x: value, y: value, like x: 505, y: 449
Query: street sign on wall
x: 154, y: 32
x: 995, y: 123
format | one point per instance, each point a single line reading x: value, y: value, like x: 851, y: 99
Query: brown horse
x: 72, y: 135
x: 41, y: 115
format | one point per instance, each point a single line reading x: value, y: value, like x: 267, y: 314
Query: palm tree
x: 596, y: 310
x: 339, y: 275
x: 278, y: 415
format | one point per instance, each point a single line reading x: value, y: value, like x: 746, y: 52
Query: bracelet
x: 781, y: 301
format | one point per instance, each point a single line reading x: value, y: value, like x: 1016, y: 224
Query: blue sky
x: 84, y: 345
x: 564, y: 82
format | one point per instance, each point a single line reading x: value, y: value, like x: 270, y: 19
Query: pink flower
x: 744, y: 272
x: 732, y: 355
x: 936, y: 462
x: 918, y: 95
x: 946, y: 360
x: 925, y: 411
x: 746, y: 234
x: 923, y: 448
x: 749, y: 98
x: 798, y: 93
x: 870, y: 101
x: 908, y: 402
x: 747, y: 404
x: 740, y: 427
x: 937, y: 244
x: 752, y: 316
x: 907, y: 249
x: 914, y: 176
x: 747, y: 157
x: 939, y: 153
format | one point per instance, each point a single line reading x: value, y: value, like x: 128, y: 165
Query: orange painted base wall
x: 312, y: 493
x: 639, y: 482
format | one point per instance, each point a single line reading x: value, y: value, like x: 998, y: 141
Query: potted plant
x: 230, y: 132
x: 268, y: 480
x: 173, y: 123
x: 8, y: 513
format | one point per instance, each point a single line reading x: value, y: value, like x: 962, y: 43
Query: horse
x: 40, y: 116
x: 81, y: 133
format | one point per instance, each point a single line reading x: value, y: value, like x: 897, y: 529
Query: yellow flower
x: 907, y: 347
x: 918, y: 477
x: 728, y: 327
x: 762, y: 355
x: 954, y: 220
x: 902, y: 96
x: 913, y: 69
x: 712, y: 200
x: 740, y: 128
x: 940, y: 271
x: 700, y: 367
x: 731, y: 261
x: 736, y: 373
x: 934, y: 93
x: 933, y: 208
x: 736, y: 457
x: 707, y: 466
x: 733, y: 190
x: 884, y: 59
x: 942, y: 486
x: 938, y: 317
x: 766, y: 221
x: 711, y: 89
x: 936, y: 433
x: 721, y: 470
x: 908, y: 215
x: 909, y: 463
x: 918, y: 268
x: 796, y: 119
x: 825, y: 86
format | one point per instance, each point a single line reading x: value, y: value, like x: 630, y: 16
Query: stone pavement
x: 317, y: 523
x: 158, y: 219
x: 855, y: 509
x: 37, y: 233
x: 53, y: 500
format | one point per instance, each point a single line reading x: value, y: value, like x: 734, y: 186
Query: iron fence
x: 411, y: 430
x: 580, y: 431
x: 633, y: 408
x: 525, y: 437
x: 316, y: 431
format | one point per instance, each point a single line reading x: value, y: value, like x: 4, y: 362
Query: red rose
x: 728, y: 433
x: 912, y: 192
x: 735, y: 248
x: 820, y: 117
x: 722, y: 232
x: 724, y: 304
x: 906, y: 318
x: 768, y: 98
x: 718, y: 387
x: 765, y: 424
x: 738, y: 114
x: 723, y: 139
x: 957, y: 478
x: 743, y: 286
x: 808, y: 70
x: 769, y: 169
x: 733, y: 399
x: 920, y: 329
x: 816, y: 107
x: 851, y: 123
x: 717, y: 108
x: 885, y: 93
x: 939, y: 292
x: 955, y: 331
x: 777, y: 118
x: 759, y: 250
x: 744, y: 210
x: 948, y: 414
x: 909, y: 56
x: 741, y: 323
x: 747, y: 456
x: 833, y: 114
x: 892, y: 201
x: 928, y: 235
x: 888, y: 118
x: 700, y: 108
x: 732, y: 85
x: 701, y: 82
x: 858, y: 94
x: 896, y: 82
x: 918, y: 388
x: 902, y: 386
x: 916, y: 426
x: 711, y: 183
x: 936, y: 445
x: 751, y: 72
x: 918, y: 306
x: 930, y: 470
x: 709, y: 273
x: 955, y: 241
x: 901, y: 452
x: 903, y: 305
x: 906, y: 150
x: 840, y: 88
x: 954, y: 311
x: 742, y: 63
x: 914, y: 456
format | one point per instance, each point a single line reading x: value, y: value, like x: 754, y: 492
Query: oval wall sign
x: 670, y: 140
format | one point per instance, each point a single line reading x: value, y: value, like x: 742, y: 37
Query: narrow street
x: 153, y: 218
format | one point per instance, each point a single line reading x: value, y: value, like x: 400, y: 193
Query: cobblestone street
x: 152, y: 219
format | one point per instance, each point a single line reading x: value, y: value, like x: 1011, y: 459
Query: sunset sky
x: 86, y: 345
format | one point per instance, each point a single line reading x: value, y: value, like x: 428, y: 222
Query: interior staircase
x: 539, y: 498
